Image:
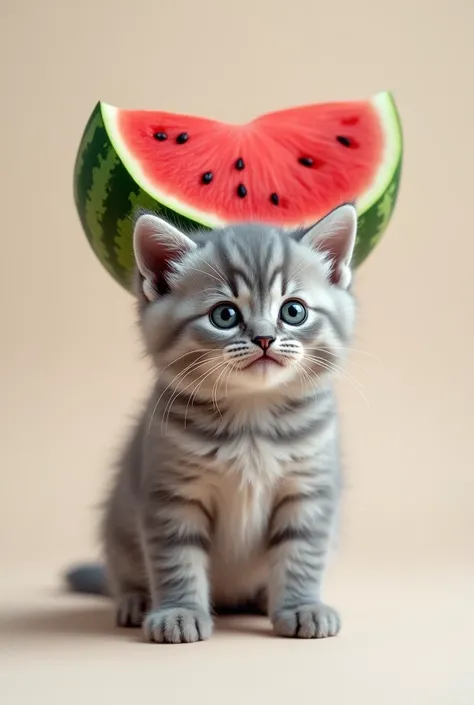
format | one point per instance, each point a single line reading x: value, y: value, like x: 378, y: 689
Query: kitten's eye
x: 294, y: 313
x: 225, y: 316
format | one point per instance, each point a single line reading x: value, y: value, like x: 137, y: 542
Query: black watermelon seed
x: 239, y: 164
x: 182, y: 138
x: 306, y: 161
x: 207, y: 177
x: 275, y: 199
x: 241, y: 191
x: 345, y: 141
x: 160, y: 136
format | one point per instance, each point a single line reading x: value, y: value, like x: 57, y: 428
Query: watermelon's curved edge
x: 375, y: 209
x: 109, y: 115
x: 373, y: 222
x: 384, y: 105
x: 107, y: 199
x: 92, y: 153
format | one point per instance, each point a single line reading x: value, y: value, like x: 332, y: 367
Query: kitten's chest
x: 243, y: 511
x: 246, y: 482
x: 251, y: 459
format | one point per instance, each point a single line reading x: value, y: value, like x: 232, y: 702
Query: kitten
x: 226, y: 494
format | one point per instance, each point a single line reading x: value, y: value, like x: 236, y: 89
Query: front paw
x: 307, y: 622
x: 177, y: 625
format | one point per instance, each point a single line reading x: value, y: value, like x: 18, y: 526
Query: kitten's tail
x: 87, y: 578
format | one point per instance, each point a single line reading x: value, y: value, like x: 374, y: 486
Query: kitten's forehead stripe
x: 263, y: 284
x: 257, y: 257
x: 285, y: 243
x: 243, y: 253
x: 227, y: 268
x: 237, y: 272
x: 271, y: 281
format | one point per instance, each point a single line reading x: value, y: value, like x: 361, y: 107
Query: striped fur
x: 226, y: 493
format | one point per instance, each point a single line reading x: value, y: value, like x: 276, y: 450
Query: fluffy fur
x: 226, y: 494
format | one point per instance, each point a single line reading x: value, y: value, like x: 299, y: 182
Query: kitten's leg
x: 127, y: 579
x: 126, y: 575
x: 176, y: 532
x: 300, y: 529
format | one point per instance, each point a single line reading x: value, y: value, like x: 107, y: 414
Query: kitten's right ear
x: 156, y: 246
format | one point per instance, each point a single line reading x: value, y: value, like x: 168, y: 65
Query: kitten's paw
x: 307, y: 622
x: 177, y: 625
x: 131, y: 609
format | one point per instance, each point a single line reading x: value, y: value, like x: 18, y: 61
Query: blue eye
x: 225, y: 316
x: 294, y: 313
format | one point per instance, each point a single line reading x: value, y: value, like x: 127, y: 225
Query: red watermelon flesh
x: 288, y: 168
x: 282, y: 167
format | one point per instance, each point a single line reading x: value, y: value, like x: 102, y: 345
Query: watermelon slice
x: 288, y: 167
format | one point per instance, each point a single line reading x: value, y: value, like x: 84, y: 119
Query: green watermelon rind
x: 106, y: 211
x: 108, y: 192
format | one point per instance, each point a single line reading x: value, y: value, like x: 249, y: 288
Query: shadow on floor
x: 90, y: 620
x: 93, y: 617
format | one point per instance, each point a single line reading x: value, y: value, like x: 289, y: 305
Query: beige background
x: 71, y: 371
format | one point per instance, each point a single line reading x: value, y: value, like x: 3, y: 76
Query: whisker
x: 346, y: 349
x: 215, y: 388
x: 207, y: 274
x: 190, y: 352
x: 191, y: 401
x: 330, y: 366
x: 182, y: 376
x: 192, y: 397
x: 340, y: 371
x: 204, y: 376
x: 219, y: 274
x: 231, y: 368
x: 189, y: 367
x: 343, y: 358
x: 301, y: 371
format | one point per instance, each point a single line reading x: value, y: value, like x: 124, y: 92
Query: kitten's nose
x: 263, y: 341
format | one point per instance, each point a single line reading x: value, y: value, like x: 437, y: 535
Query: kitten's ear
x: 156, y: 245
x: 335, y: 237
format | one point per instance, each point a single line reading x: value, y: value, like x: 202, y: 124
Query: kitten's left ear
x: 335, y: 237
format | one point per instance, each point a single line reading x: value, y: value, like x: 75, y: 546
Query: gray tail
x: 87, y: 578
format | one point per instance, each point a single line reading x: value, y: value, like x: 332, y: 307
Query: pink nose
x: 263, y: 341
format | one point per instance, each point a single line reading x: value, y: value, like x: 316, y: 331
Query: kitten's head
x: 246, y: 308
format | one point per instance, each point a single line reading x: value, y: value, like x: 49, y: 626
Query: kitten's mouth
x: 263, y: 362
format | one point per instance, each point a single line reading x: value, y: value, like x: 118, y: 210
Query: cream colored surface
x: 71, y: 371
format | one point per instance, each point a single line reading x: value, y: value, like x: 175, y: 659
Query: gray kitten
x: 226, y: 494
